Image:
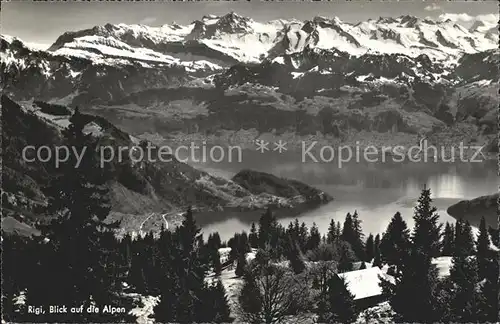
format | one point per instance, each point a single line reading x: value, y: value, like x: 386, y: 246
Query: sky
x: 40, y: 23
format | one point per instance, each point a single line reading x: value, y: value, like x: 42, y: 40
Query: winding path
x: 155, y: 214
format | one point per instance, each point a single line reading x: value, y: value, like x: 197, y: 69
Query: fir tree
x: 346, y: 257
x: 377, y: 259
x: 332, y: 232
x: 241, y: 265
x: 185, y: 282
x: 448, y: 240
x: 341, y: 302
x: 395, y: 242
x: 352, y: 234
x: 426, y: 234
x: 464, y: 240
x: 214, y: 241
x: 489, y: 307
x: 488, y: 272
x: 215, y: 261
x: 253, y: 237
x: 314, y: 238
x: 249, y: 299
x: 414, y: 296
x: 267, y: 230
x: 483, y: 250
x: 303, y: 236
x: 370, y: 248
x: 464, y: 300
x: 295, y: 258
x: 79, y: 197
x: 218, y: 305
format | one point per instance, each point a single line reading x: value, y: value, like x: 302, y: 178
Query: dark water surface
x: 375, y: 190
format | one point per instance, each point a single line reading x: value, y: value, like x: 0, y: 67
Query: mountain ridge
x: 181, y: 87
x: 135, y: 187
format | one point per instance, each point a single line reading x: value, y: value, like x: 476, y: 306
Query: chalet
x: 364, y: 285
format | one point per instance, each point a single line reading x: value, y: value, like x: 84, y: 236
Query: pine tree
x: 338, y: 230
x: 332, y: 232
x: 414, y: 296
x: 322, y: 272
x: 249, y: 299
x: 185, y: 282
x: 483, y: 250
x: 377, y: 259
x: 352, y: 234
x: 314, y: 238
x: 241, y: 265
x: 358, y: 232
x: 370, y: 248
x: 489, y: 273
x: 218, y: 304
x: 464, y: 300
x: 341, y: 301
x: 253, y: 237
x: 215, y: 261
x: 346, y: 257
x: 395, y: 242
x: 214, y: 241
x: 448, y: 240
x: 426, y: 234
x: 268, y: 230
x: 464, y: 240
x: 489, y: 307
x: 79, y: 197
x: 295, y: 258
x: 303, y: 236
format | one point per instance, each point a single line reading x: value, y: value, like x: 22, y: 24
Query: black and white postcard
x: 250, y: 162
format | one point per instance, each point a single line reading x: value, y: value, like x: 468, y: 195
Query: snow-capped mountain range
x: 201, y: 76
x: 218, y: 41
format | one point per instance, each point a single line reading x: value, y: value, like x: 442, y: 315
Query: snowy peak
x: 215, y: 27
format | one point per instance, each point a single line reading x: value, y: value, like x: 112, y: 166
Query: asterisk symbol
x: 262, y: 146
x: 280, y: 146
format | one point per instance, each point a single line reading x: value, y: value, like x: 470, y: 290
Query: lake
x: 376, y: 190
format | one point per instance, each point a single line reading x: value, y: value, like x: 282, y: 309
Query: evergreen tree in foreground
x: 74, y: 268
x: 352, y: 234
x: 414, y: 296
x: 332, y: 232
x: 464, y: 240
x: 241, y: 265
x: 370, y: 248
x: 377, y: 259
x: 464, y: 296
x: 346, y: 257
x: 295, y: 258
x: 448, y: 240
x: 183, y: 288
x: 314, y: 238
x: 253, y: 237
x: 395, y: 243
x: 341, y: 302
x: 489, y: 276
x: 218, y: 304
x: 484, y: 253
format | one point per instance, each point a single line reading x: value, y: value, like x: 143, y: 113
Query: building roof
x: 365, y: 283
